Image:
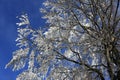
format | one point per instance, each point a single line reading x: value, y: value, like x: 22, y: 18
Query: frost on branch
x: 80, y: 42
x: 24, y: 20
x: 26, y: 75
x: 23, y: 35
x: 29, y: 74
x: 19, y: 59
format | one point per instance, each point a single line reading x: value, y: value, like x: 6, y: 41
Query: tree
x: 82, y: 41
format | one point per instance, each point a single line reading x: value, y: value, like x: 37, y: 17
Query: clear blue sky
x: 9, y: 9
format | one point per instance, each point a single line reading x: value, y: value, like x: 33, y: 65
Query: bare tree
x: 81, y: 42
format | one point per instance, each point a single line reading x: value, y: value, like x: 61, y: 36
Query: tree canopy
x: 81, y: 41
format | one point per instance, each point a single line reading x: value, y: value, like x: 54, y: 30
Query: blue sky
x: 9, y: 9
